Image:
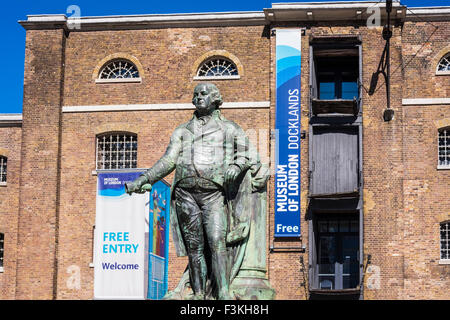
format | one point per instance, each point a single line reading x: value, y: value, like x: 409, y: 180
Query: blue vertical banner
x: 159, y: 213
x: 287, y: 126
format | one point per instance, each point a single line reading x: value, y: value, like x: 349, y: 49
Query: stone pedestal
x: 251, y: 282
x: 252, y: 287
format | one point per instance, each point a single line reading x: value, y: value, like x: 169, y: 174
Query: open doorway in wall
x: 337, y: 256
x: 336, y: 251
x: 335, y: 76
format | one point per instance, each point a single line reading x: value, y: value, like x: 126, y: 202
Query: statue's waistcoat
x: 206, y: 152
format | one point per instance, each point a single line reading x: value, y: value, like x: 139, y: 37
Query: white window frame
x: 2, y: 251
x: 221, y: 77
x: 2, y: 158
x: 446, y: 72
x: 446, y: 146
x: 118, y: 80
x: 110, y: 135
x: 447, y: 260
x: 236, y: 77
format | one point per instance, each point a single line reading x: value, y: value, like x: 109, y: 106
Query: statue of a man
x: 209, y: 153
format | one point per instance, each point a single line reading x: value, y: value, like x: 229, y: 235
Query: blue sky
x: 13, y: 45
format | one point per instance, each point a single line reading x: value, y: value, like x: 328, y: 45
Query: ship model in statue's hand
x: 217, y: 195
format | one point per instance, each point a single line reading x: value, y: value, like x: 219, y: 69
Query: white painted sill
x: 443, y: 167
x: 124, y: 80
x: 443, y: 73
x: 2, y: 270
x: 2, y: 184
x: 218, y: 78
x: 446, y: 261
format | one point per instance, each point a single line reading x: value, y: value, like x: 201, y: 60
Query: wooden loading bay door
x: 335, y: 166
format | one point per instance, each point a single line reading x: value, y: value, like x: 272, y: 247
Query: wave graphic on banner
x: 288, y: 64
x: 112, y: 192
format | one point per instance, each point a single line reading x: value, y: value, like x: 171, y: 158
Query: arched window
x: 217, y: 68
x: 444, y: 148
x: 445, y: 240
x: 443, y: 66
x: 3, y: 167
x: 119, y: 70
x: 117, y: 150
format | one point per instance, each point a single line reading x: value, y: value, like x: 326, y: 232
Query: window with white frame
x: 2, y: 242
x: 117, y: 150
x: 119, y: 70
x: 444, y: 148
x: 443, y: 66
x: 217, y: 68
x: 445, y: 240
x: 3, y: 167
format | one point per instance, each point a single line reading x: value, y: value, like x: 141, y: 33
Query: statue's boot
x: 200, y: 296
x: 197, y: 272
x: 219, y: 265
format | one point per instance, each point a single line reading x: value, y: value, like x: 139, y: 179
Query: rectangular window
x: 445, y: 241
x: 2, y: 241
x: 444, y: 148
x: 335, y: 75
x: 337, y: 253
x: 3, y: 167
x: 117, y: 151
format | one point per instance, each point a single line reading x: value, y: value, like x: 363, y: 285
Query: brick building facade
x: 402, y: 206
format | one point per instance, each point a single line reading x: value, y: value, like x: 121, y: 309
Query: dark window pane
x: 354, y: 226
x: 323, y: 226
x: 344, y: 226
x: 327, y: 255
x: 333, y: 226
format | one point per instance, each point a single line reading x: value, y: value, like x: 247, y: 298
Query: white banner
x: 119, y: 250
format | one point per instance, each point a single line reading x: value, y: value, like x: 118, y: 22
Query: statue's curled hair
x: 218, y: 101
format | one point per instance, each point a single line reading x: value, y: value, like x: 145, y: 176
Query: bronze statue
x: 217, y: 175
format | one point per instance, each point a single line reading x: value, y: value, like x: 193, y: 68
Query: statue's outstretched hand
x: 146, y: 187
x: 231, y: 174
x: 131, y: 188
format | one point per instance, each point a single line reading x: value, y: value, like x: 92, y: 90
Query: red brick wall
x: 167, y: 56
x: 423, y: 45
x: 10, y: 138
x: 426, y: 192
x: 39, y: 167
x: 405, y: 196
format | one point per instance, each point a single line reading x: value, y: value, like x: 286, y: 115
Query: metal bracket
x: 301, y: 249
